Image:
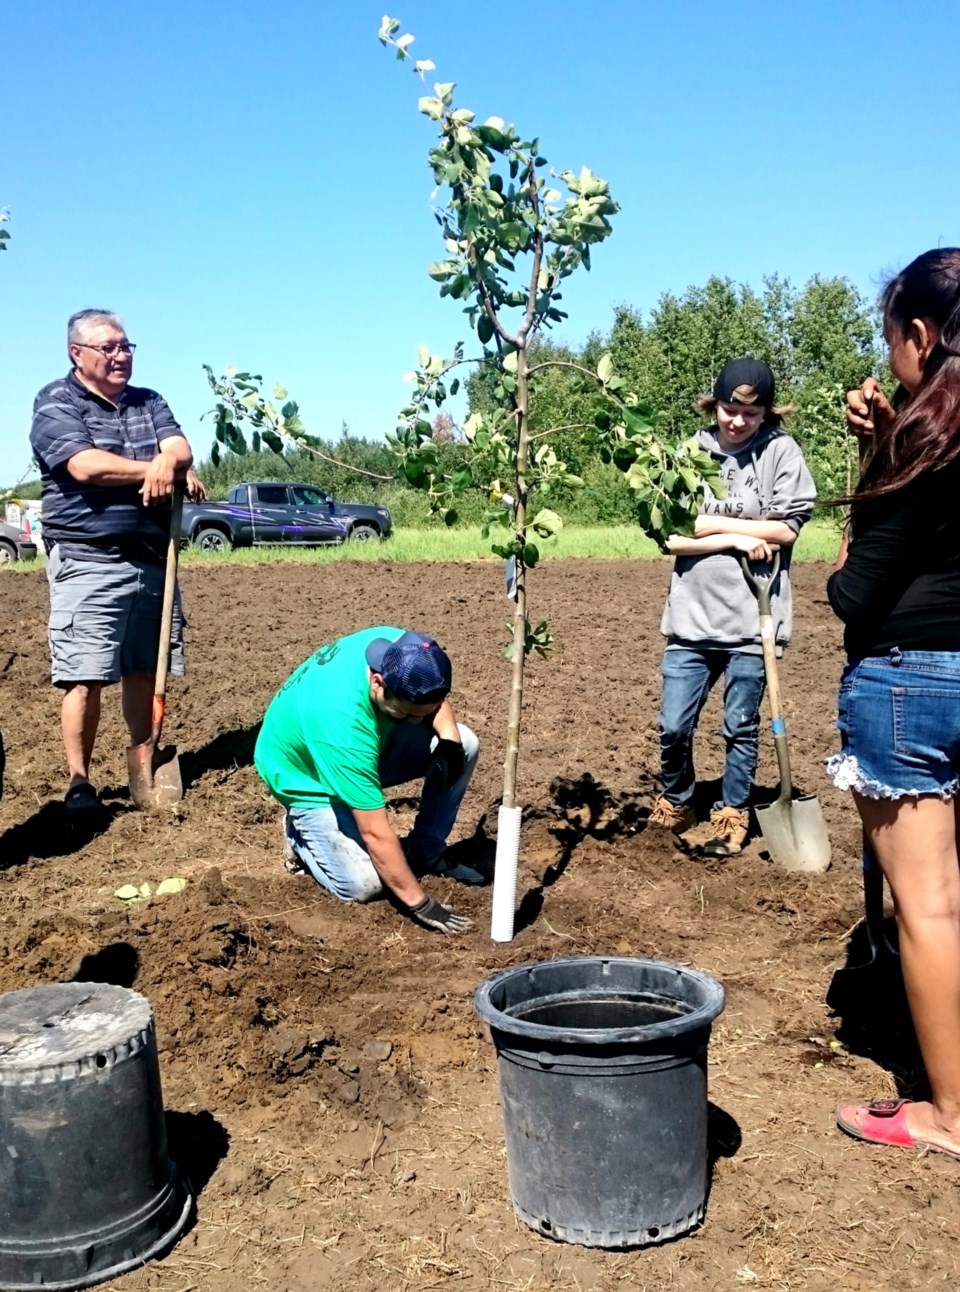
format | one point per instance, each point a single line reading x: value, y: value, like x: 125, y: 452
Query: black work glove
x: 448, y: 762
x: 437, y: 917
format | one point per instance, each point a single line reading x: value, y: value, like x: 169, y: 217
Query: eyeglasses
x: 108, y: 351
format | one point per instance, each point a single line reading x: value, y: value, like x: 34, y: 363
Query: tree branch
x: 563, y: 363
x: 360, y: 471
x: 555, y: 430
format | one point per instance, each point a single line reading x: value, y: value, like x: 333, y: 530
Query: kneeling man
x: 363, y: 713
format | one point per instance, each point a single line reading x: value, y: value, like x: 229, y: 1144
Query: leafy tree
x: 513, y: 231
x: 241, y: 404
x: 820, y: 341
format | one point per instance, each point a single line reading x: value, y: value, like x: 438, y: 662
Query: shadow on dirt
x: 55, y: 832
x: 116, y: 964
x: 724, y: 1139
x: 198, y: 1143
x: 225, y: 752
x: 871, y: 1002
x: 478, y: 852
x: 723, y: 1135
x: 580, y: 809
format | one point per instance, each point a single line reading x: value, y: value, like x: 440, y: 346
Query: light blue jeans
x: 327, y: 842
x: 688, y: 676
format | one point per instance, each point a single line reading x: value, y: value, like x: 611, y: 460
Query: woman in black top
x: 897, y: 590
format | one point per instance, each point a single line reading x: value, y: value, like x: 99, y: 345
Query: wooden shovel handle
x: 166, y: 617
x: 761, y: 585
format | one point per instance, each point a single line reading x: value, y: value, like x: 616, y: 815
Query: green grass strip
x: 819, y: 541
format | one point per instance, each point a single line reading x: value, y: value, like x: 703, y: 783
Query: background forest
x: 820, y: 340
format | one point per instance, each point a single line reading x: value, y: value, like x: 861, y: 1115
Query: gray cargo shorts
x: 105, y: 619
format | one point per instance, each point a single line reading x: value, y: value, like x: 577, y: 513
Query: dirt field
x: 325, y: 1161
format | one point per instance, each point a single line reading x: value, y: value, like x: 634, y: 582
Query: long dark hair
x: 925, y: 435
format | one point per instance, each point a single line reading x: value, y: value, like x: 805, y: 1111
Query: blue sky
x: 246, y: 183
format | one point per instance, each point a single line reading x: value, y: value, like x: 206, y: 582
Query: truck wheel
x: 8, y: 553
x: 364, y: 534
x: 212, y: 540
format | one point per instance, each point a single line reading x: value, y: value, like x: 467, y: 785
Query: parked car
x: 16, y: 544
x: 280, y: 514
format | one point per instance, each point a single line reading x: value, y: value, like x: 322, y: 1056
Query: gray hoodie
x: 710, y: 604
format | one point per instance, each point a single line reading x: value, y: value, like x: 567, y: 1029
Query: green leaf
x: 605, y: 369
x: 388, y: 26
x: 169, y: 887
x: 431, y: 107
x: 272, y: 440
x: 510, y: 361
x: 484, y: 329
x: 461, y: 479
x: 546, y: 523
x: 279, y: 392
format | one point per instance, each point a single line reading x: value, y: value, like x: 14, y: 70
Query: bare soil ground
x: 325, y: 1161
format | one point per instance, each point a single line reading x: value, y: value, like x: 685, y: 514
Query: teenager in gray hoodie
x: 711, y: 621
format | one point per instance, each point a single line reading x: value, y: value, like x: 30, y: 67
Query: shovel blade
x: 796, y: 834
x: 153, y: 775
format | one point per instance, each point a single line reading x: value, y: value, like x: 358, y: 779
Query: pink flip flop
x: 884, y: 1122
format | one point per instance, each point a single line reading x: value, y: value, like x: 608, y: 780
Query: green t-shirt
x: 322, y: 735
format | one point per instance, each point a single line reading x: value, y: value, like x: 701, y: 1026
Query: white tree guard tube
x: 505, y: 874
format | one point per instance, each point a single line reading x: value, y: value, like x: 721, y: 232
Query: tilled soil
x: 329, y: 1088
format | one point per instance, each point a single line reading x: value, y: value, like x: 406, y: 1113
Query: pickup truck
x: 280, y: 514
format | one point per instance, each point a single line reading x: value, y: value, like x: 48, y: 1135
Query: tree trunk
x: 520, y: 607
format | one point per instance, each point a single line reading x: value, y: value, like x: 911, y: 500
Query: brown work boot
x: 677, y: 817
x: 730, y: 827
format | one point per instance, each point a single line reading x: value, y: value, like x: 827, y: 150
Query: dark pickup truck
x: 280, y: 514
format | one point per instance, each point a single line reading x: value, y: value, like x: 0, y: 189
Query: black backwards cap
x: 745, y: 381
x: 414, y: 668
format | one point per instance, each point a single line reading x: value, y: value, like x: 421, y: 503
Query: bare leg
x: 136, y: 699
x: 915, y: 842
x: 79, y: 719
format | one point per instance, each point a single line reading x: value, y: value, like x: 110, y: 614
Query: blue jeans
x: 688, y: 676
x: 899, y: 722
x: 326, y: 839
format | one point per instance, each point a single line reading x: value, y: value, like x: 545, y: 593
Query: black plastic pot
x: 87, y: 1189
x: 603, y: 1083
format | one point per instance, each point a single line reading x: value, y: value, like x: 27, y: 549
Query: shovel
x: 154, y: 773
x: 852, y: 983
x: 793, y: 829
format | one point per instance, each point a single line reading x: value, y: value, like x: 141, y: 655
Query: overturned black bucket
x: 87, y: 1189
x: 603, y: 1082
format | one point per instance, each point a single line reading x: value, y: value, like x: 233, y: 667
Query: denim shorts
x: 899, y: 722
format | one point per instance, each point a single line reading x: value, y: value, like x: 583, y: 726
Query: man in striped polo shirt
x: 109, y: 455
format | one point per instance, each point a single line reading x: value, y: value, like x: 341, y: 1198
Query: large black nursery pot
x: 87, y: 1189
x: 603, y: 1083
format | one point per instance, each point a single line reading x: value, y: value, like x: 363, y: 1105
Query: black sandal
x: 81, y: 797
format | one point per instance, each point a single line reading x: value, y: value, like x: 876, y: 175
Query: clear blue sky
x: 246, y: 183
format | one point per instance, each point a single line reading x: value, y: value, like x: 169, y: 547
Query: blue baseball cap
x: 413, y: 667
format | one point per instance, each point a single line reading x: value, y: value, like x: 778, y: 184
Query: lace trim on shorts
x: 846, y: 774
